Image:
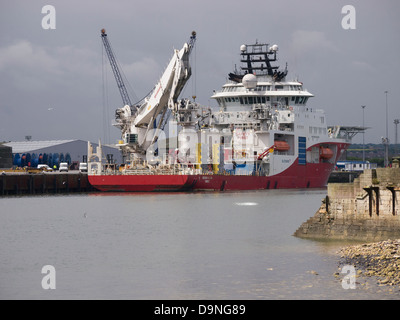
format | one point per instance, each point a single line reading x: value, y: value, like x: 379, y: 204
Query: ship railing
x: 163, y: 169
x: 182, y: 169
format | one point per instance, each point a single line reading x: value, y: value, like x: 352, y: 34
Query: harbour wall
x: 343, y: 176
x: 368, y: 209
x: 43, y: 183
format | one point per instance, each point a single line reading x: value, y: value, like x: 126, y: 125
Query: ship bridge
x: 260, y: 84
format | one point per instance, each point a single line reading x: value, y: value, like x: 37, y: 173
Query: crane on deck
x: 114, y: 66
x: 136, y: 122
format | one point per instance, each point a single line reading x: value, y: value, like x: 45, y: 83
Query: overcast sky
x: 51, y: 80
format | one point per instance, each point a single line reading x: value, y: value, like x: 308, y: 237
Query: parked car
x: 44, y: 167
x: 83, y: 167
x: 63, y: 167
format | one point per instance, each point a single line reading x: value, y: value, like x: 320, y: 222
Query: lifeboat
x: 325, y: 153
x: 281, y: 145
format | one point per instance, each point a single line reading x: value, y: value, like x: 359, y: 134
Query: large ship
x: 262, y: 135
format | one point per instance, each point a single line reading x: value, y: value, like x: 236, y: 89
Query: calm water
x: 170, y: 246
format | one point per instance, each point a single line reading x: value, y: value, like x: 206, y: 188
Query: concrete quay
x: 368, y: 209
x: 43, y: 183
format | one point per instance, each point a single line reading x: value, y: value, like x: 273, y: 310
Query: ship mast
x: 256, y: 59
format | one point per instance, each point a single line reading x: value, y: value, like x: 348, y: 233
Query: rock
x: 378, y: 259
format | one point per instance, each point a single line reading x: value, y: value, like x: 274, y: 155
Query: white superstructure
x: 262, y: 126
x: 263, y: 121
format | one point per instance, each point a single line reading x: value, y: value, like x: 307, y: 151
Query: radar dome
x: 249, y: 81
x: 243, y: 48
x: 275, y: 47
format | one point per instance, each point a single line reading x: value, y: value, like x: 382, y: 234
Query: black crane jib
x: 114, y: 66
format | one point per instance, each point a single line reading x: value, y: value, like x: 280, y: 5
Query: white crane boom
x: 135, y: 125
x: 169, y: 87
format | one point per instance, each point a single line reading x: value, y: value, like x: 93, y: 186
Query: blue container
x: 25, y: 158
x: 56, y: 160
x: 50, y: 160
x: 34, y: 160
x: 68, y: 158
x: 17, y: 160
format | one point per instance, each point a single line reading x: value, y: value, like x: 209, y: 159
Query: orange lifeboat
x: 325, y: 153
x: 281, y: 145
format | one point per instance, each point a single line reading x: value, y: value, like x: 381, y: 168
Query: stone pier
x: 367, y: 209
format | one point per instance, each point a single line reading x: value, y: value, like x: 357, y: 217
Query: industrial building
x: 5, y: 157
x: 347, y: 165
x: 58, y: 151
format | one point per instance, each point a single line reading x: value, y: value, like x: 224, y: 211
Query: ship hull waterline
x: 297, y: 176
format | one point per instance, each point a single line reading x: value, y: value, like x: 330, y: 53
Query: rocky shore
x: 378, y: 259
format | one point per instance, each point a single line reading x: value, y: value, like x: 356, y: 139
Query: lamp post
x: 387, y: 134
x: 363, y: 158
x: 396, y: 122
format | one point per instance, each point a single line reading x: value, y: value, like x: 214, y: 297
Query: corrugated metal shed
x: 32, y: 146
x: 77, y: 149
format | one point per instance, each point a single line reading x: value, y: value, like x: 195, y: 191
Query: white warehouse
x: 76, y: 149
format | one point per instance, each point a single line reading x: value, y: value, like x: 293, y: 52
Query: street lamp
x: 363, y: 158
x: 387, y: 134
x: 396, y: 122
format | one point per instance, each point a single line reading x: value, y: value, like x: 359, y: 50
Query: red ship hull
x: 310, y: 175
x: 138, y: 182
